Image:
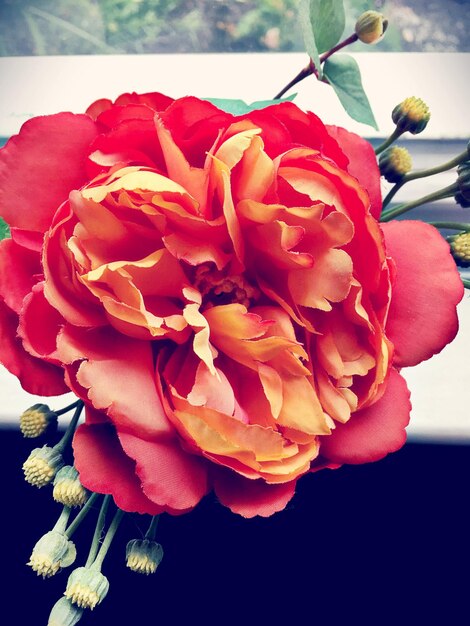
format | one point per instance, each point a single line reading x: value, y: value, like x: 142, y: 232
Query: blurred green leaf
x: 322, y: 23
x: 343, y: 74
x: 4, y: 230
x: 239, y: 107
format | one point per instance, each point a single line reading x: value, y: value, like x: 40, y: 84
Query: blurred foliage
x: 39, y: 27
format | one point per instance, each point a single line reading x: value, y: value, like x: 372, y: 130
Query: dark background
x: 380, y: 543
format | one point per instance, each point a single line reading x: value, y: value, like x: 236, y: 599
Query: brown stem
x: 311, y: 69
x: 342, y: 44
x: 307, y: 71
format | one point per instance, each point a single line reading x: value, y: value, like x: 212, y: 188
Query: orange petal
x: 256, y: 172
x: 195, y: 252
x: 329, y: 280
x: 201, y: 344
x: 195, y: 180
x: 301, y: 409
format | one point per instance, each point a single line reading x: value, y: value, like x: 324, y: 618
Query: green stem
x: 438, y: 169
x: 150, y: 534
x: 451, y: 225
x: 82, y: 514
x: 60, y: 447
x: 388, y: 142
x: 448, y: 165
x: 61, y: 523
x: 432, y: 197
x: 98, y: 530
x: 466, y: 283
x: 391, y: 193
x: 68, y: 408
x: 97, y: 563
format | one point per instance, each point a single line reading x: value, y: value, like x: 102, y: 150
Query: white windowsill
x: 41, y: 85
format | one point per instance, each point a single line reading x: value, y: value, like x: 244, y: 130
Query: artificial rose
x: 218, y: 291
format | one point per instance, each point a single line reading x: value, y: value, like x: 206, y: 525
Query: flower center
x: 217, y: 288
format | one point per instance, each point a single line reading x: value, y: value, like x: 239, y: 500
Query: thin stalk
x: 392, y: 192
x: 438, y: 169
x: 466, y: 283
x: 68, y: 26
x: 306, y: 71
x: 448, y: 165
x: 432, y: 197
x: 451, y: 225
x: 81, y: 515
x: 60, y: 447
x: 98, y: 530
x: 342, y: 44
x: 61, y: 523
x: 152, y: 529
x: 311, y: 69
x: 388, y: 142
x: 68, y: 408
x: 98, y: 562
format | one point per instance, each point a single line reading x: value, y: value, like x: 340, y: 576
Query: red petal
x: 104, y: 468
x: 119, y: 374
x: 373, y: 432
x: 307, y: 129
x: 276, y: 137
x: 97, y: 107
x: 155, y: 100
x: 18, y: 274
x: 30, y: 239
x: 41, y: 165
x: 132, y: 141
x: 195, y: 125
x: 35, y: 376
x: 251, y: 497
x: 422, y: 317
x: 39, y: 325
x: 362, y: 164
x: 170, y: 476
x: 130, y: 106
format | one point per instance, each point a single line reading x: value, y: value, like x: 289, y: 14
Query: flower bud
x: 86, y: 587
x: 51, y: 553
x: 64, y: 613
x: 143, y: 556
x: 411, y: 115
x: 462, y: 196
x: 68, y: 489
x: 394, y: 163
x: 35, y: 420
x: 460, y: 248
x: 42, y: 465
x: 371, y: 27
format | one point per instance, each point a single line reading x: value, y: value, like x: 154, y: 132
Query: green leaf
x: 240, y: 107
x: 343, y: 74
x: 262, y: 104
x: 4, y: 230
x: 328, y: 20
x: 322, y: 23
x: 308, y: 34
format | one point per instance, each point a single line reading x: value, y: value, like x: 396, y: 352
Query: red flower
x: 219, y: 293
